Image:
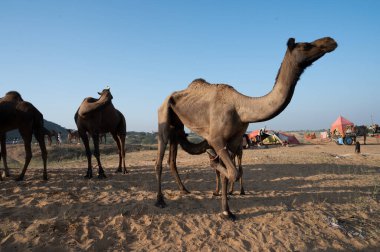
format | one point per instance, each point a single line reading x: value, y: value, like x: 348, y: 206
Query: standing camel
x: 97, y: 116
x: 221, y: 115
x: 15, y: 113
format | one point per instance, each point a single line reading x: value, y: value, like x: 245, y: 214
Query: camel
x: 361, y: 130
x: 49, y: 134
x: 97, y: 116
x: 220, y: 114
x: 15, y: 113
x: 72, y: 135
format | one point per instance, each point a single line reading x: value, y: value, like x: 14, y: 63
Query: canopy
x: 275, y: 137
x: 291, y: 139
x: 340, y: 125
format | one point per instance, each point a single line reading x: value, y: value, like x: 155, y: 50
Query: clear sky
x: 56, y: 53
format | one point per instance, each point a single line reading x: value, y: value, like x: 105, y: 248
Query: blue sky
x: 56, y: 53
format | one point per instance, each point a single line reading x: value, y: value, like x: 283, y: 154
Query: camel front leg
x: 122, y: 152
x: 84, y: 137
x: 226, y: 213
x: 41, y: 141
x: 229, y: 170
x: 95, y: 138
x: 173, y: 146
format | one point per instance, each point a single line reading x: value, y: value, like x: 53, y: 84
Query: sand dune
x: 299, y: 198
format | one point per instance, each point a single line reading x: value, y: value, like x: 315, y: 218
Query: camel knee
x: 233, y: 175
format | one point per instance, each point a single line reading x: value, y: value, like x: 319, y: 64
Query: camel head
x: 304, y: 54
x: 106, y: 93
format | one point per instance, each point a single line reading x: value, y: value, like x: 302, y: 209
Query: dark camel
x: 97, y: 116
x: 361, y: 130
x: 15, y: 113
x: 221, y: 115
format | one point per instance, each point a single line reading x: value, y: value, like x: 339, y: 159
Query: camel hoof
x: 102, y: 176
x: 160, y: 202
x: 184, y: 191
x: 118, y: 170
x: 87, y: 176
x: 230, y: 193
x: 125, y: 171
x: 216, y: 193
x: 227, y: 215
x: 20, y: 178
x: 45, y: 177
x: 242, y: 192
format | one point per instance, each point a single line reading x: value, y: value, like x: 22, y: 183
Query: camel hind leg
x: 120, y: 141
x: 162, y: 143
x: 173, y: 149
x: 27, y: 138
x: 41, y: 141
x: 4, y: 154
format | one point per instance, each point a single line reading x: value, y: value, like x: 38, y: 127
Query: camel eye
x: 307, y: 47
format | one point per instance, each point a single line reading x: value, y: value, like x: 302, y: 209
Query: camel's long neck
x: 258, y: 109
x: 94, y: 104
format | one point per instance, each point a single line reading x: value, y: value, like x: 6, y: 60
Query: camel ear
x: 291, y: 44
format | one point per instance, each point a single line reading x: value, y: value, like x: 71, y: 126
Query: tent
x: 275, y: 137
x: 340, y: 125
x: 290, y: 139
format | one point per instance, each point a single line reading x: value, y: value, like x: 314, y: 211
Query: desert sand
x: 311, y: 197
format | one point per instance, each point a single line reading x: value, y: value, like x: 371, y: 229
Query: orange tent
x: 340, y: 125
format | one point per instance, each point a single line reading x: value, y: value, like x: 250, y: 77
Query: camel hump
x: 13, y: 96
x: 198, y: 83
x: 202, y: 84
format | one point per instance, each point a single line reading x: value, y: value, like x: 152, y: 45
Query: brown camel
x: 221, y: 115
x: 72, y: 135
x: 49, y: 134
x: 97, y: 116
x: 15, y: 113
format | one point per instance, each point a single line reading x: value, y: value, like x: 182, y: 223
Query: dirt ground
x: 311, y: 197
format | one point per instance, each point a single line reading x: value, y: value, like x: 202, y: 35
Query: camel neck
x: 258, y: 109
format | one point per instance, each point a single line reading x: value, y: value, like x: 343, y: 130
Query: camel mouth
x: 326, y: 44
x: 331, y: 47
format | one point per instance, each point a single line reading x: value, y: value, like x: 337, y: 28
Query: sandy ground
x: 312, y: 197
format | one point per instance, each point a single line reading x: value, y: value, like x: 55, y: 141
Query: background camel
x: 97, y: 116
x: 15, y: 113
x: 361, y: 130
x: 72, y: 135
x: 221, y: 115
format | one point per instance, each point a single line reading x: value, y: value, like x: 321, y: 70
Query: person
x: 59, y: 138
x: 357, y: 147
